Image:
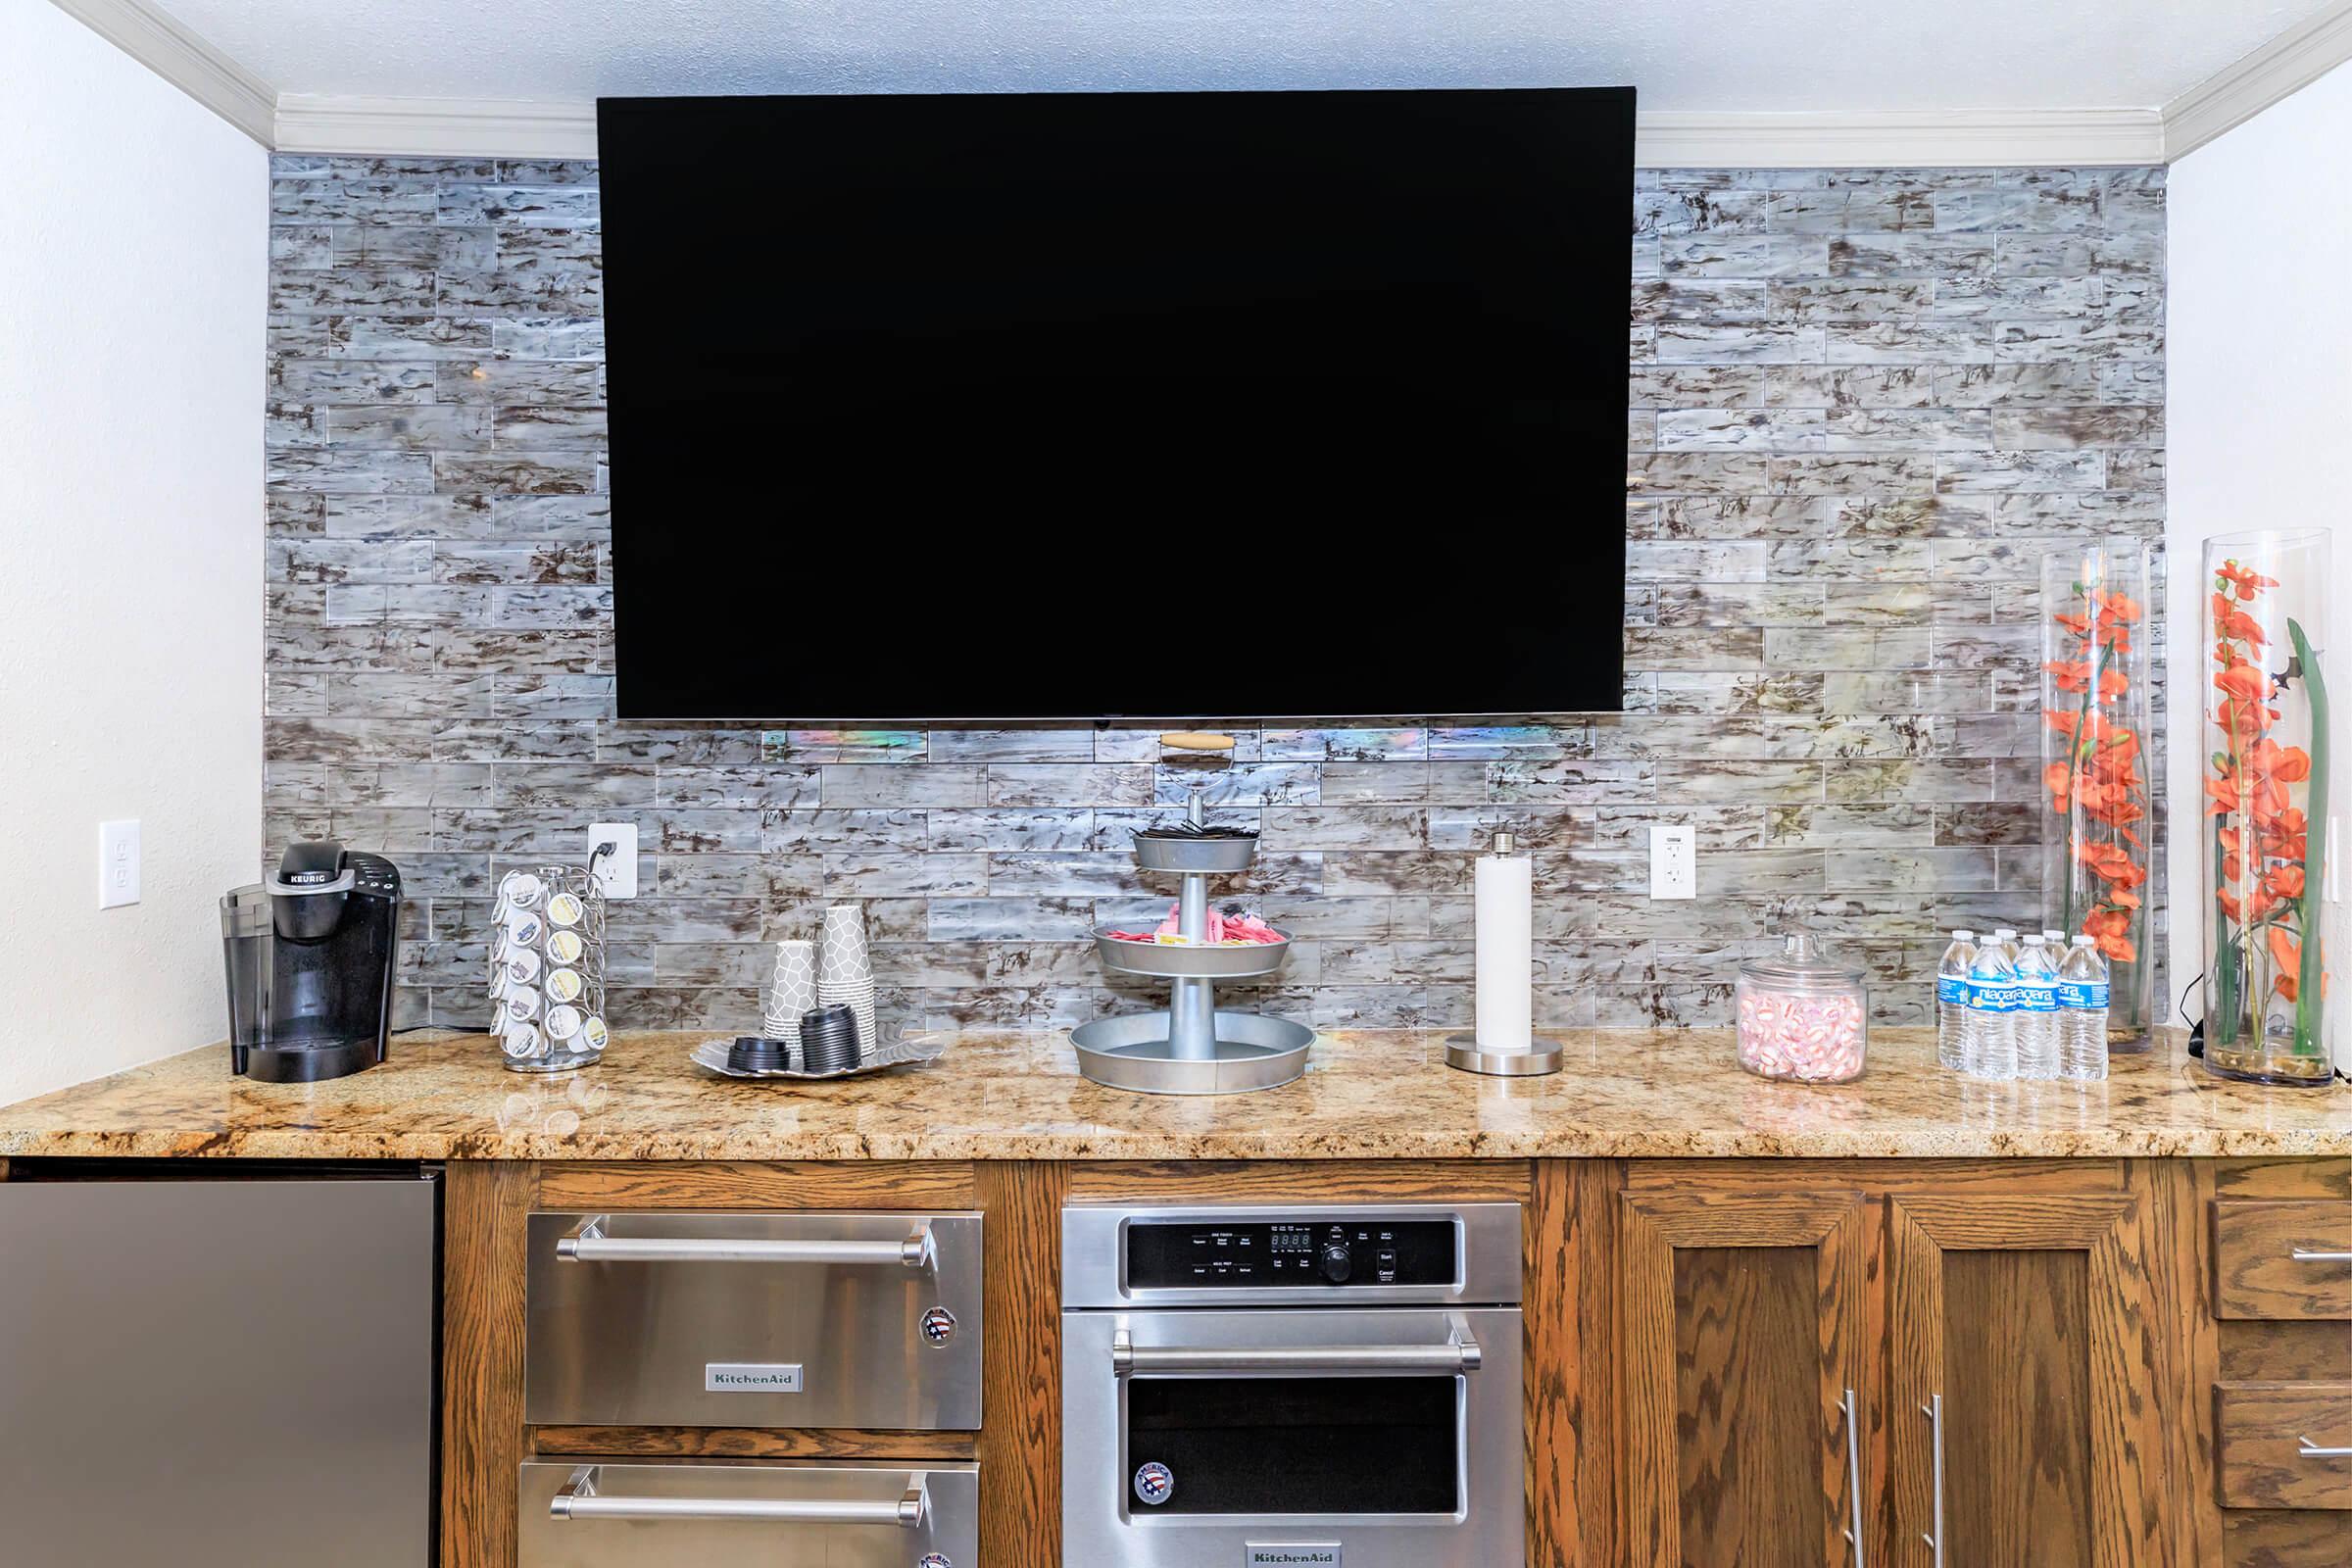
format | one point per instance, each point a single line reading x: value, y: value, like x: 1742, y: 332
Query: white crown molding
x: 2288, y: 64
x: 483, y: 127
x: 435, y: 128
x: 480, y: 127
x: 183, y: 60
x: 1900, y: 140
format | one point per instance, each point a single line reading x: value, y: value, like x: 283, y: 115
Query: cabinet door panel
x: 2027, y: 1323
x: 2017, y: 1451
x: 1742, y: 1334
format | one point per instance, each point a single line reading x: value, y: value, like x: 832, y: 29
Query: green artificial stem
x: 2308, y: 999
x: 2221, y: 1027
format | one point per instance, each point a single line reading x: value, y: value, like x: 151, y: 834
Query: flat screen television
x: 1093, y: 405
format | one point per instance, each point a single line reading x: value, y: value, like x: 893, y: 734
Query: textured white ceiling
x: 1682, y: 54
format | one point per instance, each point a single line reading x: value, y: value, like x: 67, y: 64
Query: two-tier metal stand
x: 1192, y: 1049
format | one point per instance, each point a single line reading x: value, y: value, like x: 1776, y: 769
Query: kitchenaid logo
x: 1301, y: 1555
x: 752, y: 1376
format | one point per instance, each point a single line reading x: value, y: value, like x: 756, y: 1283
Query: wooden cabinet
x: 1745, y: 1372
x: 1996, y: 1328
x: 2024, y: 1381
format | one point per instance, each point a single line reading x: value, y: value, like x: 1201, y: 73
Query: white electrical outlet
x: 617, y: 872
x: 118, y: 864
x: 1673, y: 862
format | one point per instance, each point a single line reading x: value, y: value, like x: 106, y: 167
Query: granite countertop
x: 1368, y: 1094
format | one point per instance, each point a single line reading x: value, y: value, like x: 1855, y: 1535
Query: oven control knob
x: 1337, y: 1264
x: 1155, y: 1483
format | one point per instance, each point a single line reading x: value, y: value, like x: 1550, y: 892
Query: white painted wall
x: 2260, y: 368
x: 133, y: 256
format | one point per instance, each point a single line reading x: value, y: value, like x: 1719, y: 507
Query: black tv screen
x: 1083, y: 406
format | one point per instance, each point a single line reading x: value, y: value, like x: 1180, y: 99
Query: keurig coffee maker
x: 311, y: 955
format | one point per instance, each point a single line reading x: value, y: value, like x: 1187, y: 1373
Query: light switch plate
x: 615, y: 873
x: 118, y: 864
x: 1672, y: 861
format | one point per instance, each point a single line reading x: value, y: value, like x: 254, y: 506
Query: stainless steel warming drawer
x: 755, y: 1320
x: 591, y: 1514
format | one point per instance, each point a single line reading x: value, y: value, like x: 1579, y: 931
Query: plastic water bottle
x: 2036, y: 1011
x: 1951, y: 1000
x: 2083, y: 1012
x: 1991, y: 1050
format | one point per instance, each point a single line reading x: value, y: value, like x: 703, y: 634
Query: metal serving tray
x: 1210, y: 857
x: 1170, y: 960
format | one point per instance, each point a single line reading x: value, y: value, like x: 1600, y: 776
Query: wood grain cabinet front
x: 1747, y: 1377
x: 2288, y: 1261
x: 2025, y: 1382
x: 2284, y: 1445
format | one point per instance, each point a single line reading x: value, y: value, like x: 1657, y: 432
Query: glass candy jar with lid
x: 1803, y: 1016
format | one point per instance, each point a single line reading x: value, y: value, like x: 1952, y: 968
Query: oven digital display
x: 1208, y: 1254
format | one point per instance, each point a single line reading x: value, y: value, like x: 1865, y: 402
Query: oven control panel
x: 1211, y: 1253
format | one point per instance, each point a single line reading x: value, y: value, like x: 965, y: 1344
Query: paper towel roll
x: 1506, y: 962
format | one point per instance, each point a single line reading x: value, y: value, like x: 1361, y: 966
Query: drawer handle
x: 578, y: 1498
x: 2312, y: 1254
x: 2313, y: 1450
x: 587, y: 1243
x: 1457, y: 1356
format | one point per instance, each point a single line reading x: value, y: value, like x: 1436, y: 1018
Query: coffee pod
x: 522, y: 967
x: 520, y: 890
x: 524, y: 929
x: 565, y: 985
x: 566, y: 946
x: 593, y: 1033
x: 520, y: 1041
x: 564, y: 1021
x: 566, y: 909
x: 522, y: 1004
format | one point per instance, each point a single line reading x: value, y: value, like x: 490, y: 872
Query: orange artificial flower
x: 2283, y: 881
x: 2249, y: 583
x: 2289, y: 764
x: 2231, y: 621
x: 2080, y: 625
x: 2288, y: 955
x: 2113, y: 684
x: 2110, y: 932
x: 2119, y: 606
x: 2242, y: 680
x: 2069, y: 678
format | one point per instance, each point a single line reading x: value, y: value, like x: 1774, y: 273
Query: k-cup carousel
x: 1192, y: 1048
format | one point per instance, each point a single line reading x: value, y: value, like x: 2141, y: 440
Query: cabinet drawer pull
x: 1460, y: 1355
x: 2313, y: 1255
x: 587, y: 1243
x: 2313, y: 1450
x: 577, y: 1499
x: 1853, y: 1477
x: 1933, y: 1411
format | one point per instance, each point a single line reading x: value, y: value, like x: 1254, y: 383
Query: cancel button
x: 1292, y: 1554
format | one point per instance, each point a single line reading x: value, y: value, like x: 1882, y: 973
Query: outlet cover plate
x: 615, y: 873
x: 1672, y: 861
x: 118, y: 864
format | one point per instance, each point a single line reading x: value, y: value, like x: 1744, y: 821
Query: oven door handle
x: 1461, y: 1355
x: 578, y: 1498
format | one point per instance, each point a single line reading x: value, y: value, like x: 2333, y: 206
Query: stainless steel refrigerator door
x: 755, y: 1320
x: 217, y: 1374
x: 589, y: 1514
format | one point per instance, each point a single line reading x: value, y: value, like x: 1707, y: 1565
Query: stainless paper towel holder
x: 1543, y: 1053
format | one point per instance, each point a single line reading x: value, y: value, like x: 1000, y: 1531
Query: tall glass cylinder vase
x: 2096, y: 838
x: 2264, y: 834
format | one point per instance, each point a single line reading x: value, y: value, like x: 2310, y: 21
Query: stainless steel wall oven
x: 1308, y: 1386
